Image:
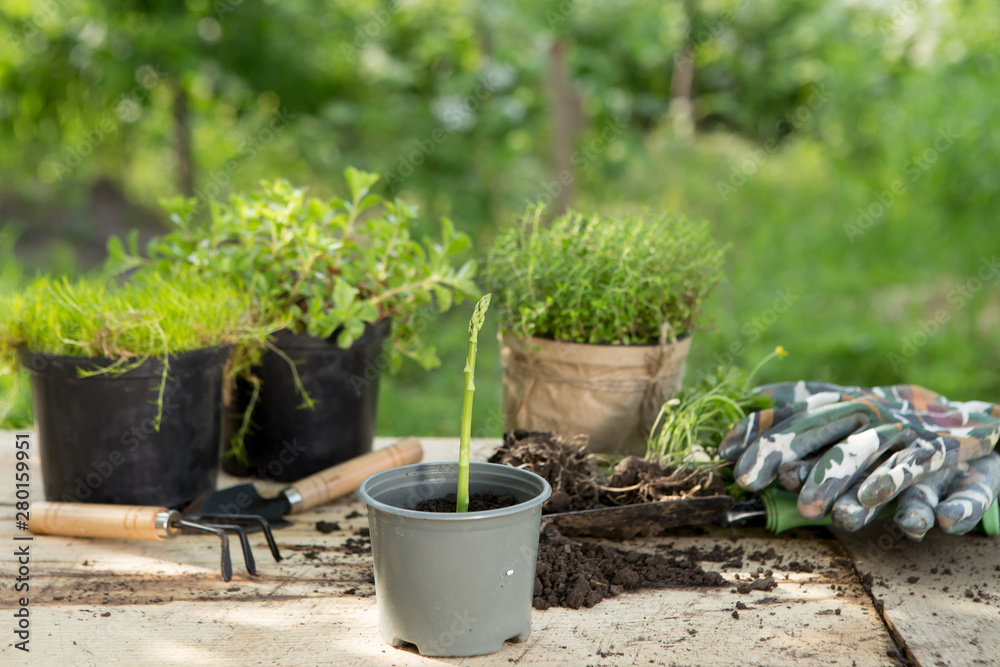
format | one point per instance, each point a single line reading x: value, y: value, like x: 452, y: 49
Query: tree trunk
x: 682, y: 80
x: 567, y: 121
x: 182, y: 141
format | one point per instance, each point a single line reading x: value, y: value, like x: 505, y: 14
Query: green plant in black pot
x: 127, y: 381
x: 339, y: 277
x: 597, y: 314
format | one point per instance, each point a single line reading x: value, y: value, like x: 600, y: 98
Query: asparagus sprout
x: 475, y: 324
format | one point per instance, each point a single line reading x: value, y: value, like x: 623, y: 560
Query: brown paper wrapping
x: 610, y: 392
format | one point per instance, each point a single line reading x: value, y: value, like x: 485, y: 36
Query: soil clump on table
x: 581, y: 574
x: 578, y: 483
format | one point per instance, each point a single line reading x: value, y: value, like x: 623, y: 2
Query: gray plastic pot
x: 453, y: 584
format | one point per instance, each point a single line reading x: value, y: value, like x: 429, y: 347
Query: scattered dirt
x: 762, y: 584
x: 356, y: 546
x: 731, y: 556
x: 761, y: 556
x: 581, y: 574
x: 478, y: 502
x: 804, y: 566
x: 578, y: 483
x: 327, y: 527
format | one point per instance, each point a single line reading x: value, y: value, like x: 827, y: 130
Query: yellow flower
x: 781, y: 351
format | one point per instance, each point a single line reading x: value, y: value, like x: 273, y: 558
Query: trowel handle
x: 129, y: 522
x: 346, y: 477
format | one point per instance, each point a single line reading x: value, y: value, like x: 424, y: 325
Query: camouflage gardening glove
x: 969, y: 490
x: 916, y: 431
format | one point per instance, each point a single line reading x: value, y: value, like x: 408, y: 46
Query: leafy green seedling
x: 701, y: 415
x: 475, y: 324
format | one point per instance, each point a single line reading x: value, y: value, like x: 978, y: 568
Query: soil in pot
x: 578, y: 483
x: 288, y: 442
x: 97, y: 439
x: 478, y: 502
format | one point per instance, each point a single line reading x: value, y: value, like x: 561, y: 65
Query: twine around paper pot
x: 610, y: 392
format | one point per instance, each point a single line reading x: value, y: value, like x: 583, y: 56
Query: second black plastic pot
x: 288, y: 441
x: 97, y: 437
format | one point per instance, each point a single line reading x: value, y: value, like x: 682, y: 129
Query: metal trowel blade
x: 245, y: 499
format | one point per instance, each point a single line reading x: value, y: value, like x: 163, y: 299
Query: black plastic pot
x: 97, y: 440
x: 287, y: 441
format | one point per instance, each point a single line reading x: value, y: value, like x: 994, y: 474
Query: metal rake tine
x: 254, y: 519
x: 265, y: 528
x: 248, y: 558
x: 227, y: 562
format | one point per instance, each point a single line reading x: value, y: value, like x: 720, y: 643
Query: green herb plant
x: 698, y: 418
x: 475, y: 324
x: 317, y: 266
x: 122, y: 324
x: 598, y: 279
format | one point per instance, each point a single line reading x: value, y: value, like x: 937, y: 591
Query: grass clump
x: 605, y: 280
x: 121, y: 324
x: 700, y: 416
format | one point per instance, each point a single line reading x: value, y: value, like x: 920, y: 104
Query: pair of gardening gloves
x: 851, y: 451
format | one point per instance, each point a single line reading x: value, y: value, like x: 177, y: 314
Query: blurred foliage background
x: 846, y: 149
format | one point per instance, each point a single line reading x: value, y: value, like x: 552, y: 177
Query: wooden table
x: 112, y: 602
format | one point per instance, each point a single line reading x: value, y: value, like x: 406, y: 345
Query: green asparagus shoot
x: 475, y: 324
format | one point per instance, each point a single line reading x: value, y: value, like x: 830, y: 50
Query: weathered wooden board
x: 113, y: 602
x: 127, y: 603
x: 942, y: 595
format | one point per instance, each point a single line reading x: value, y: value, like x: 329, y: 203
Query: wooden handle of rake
x: 346, y: 477
x: 129, y: 522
